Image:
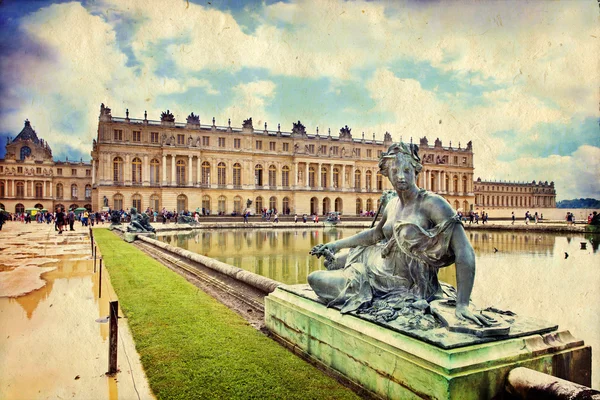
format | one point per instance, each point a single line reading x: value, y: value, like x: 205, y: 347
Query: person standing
x: 275, y: 217
x: 296, y: 218
x: 71, y: 219
x: 513, y: 218
x: 246, y: 217
x: 60, y: 220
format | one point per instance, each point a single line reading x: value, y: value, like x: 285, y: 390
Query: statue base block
x: 394, y: 365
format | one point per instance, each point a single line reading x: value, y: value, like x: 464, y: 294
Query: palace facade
x: 509, y: 195
x: 30, y: 178
x: 223, y: 169
x: 189, y: 166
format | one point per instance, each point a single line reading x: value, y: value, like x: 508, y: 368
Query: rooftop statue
x: 298, y: 129
x: 391, y: 269
x: 167, y: 116
x: 140, y: 223
x: 345, y: 132
x: 247, y: 123
x: 193, y: 119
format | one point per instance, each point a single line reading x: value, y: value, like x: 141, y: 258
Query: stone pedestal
x: 396, y: 366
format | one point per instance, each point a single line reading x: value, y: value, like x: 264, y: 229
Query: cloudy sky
x: 519, y: 79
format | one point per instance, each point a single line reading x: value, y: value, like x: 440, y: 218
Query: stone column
x: 127, y: 170
x: 173, y: 176
x: 93, y: 172
x: 145, y: 171
x: 198, y: 170
x: 51, y: 189
x: 306, y: 181
x: 295, y: 168
x: 331, y: 176
x: 319, y: 177
x: 190, y: 170
x: 164, y: 170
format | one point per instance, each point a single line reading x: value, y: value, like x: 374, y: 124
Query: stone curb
x: 260, y: 282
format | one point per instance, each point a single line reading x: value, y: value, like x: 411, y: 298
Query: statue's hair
x: 397, y: 150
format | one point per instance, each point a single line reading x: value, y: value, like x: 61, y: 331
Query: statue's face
x: 402, y: 174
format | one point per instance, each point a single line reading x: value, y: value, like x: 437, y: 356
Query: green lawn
x: 193, y: 347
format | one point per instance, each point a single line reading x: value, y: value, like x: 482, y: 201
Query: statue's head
x: 397, y: 151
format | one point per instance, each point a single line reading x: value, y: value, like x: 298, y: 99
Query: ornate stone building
x: 510, y: 195
x: 30, y: 178
x: 145, y: 163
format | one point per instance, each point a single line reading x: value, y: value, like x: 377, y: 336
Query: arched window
x: 314, y: 205
x: 181, y: 203
x: 221, y: 174
x: 88, y: 207
x: 136, y: 171
x: 118, y: 202
x: 59, y: 191
x: 2, y: 190
x: 237, y: 204
x: 379, y: 181
x: 88, y: 192
x: 155, y: 202
x: 59, y: 206
x: 286, y: 205
x: 39, y: 206
x: 154, y: 171
x: 357, y: 183
x: 273, y: 203
x: 359, y: 208
x: 464, y: 184
x: 456, y: 205
x: 368, y: 177
x: 336, y: 177
x: 432, y: 181
x: 39, y: 190
x: 326, y: 205
x: 180, y: 170
x: 311, y: 176
x: 19, y: 208
x: 338, y: 205
x: 272, y: 175
x: 323, y: 177
x: 259, y: 205
x: 237, y: 174
x: 118, y: 170
x: 25, y: 152
x: 446, y: 183
x: 455, y: 181
x: 136, y: 201
x: 20, y: 189
x: 206, y: 203
x: 206, y: 173
x: 466, y: 206
x: 222, y: 205
x: 258, y: 175
x: 285, y: 176
x: 369, y: 205
x: 74, y: 191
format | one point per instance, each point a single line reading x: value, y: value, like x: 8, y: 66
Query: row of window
x: 513, y: 189
x: 38, y: 189
x: 511, y: 201
x: 59, y: 171
x: 180, y: 139
x: 181, y: 176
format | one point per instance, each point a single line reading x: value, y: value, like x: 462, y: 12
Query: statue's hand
x: 463, y: 312
x: 324, y: 249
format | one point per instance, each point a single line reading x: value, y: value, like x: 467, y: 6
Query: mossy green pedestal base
x: 396, y: 366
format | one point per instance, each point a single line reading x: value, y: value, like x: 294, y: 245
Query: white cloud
x: 251, y: 99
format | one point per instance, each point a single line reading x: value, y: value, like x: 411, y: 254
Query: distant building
x: 30, y: 178
x: 509, y: 195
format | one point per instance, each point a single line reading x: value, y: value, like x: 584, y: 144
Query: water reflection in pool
x: 523, y: 272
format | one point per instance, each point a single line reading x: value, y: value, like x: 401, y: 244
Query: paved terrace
x: 51, y: 346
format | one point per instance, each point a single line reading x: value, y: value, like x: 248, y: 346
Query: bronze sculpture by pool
x: 391, y: 269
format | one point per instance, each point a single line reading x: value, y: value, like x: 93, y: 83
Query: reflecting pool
x: 528, y: 273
